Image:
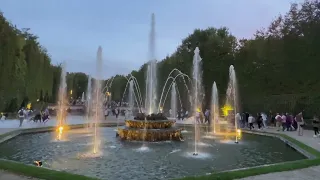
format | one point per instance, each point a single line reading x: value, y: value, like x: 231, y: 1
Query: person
x: 284, y: 122
x: 238, y: 120
x: 315, y: 124
x: 259, y: 120
x: 278, y: 119
x: 207, y: 114
x: 264, y: 120
x: 250, y: 121
x: 170, y: 112
x: 186, y: 115
x: 181, y: 115
x: 198, y: 120
x: 116, y: 111
x: 21, y: 115
x: 288, y: 122
x: 300, y: 121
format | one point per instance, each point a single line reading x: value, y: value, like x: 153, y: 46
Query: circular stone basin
x: 152, y: 135
x: 149, y: 124
x: 119, y: 160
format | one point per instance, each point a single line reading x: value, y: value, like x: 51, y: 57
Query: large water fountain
x: 62, y: 103
x: 97, y: 101
x: 149, y: 126
x: 197, y: 96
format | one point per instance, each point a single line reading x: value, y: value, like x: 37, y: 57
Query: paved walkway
x: 9, y: 176
x: 310, y: 173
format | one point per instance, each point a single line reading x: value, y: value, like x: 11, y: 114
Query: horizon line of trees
x: 276, y: 70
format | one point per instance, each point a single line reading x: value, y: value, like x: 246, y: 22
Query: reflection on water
x: 130, y: 160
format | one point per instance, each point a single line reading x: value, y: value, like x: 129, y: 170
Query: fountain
x: 151, y: 80
x: 131, y: 100
x: 214, y: 108
x: 150, y: 127
x: 197, y: 94
x: 174, y: 101
x: 62, y: 103
x: 97, y: 105
x: 88, y: 101
x: 232, y: 101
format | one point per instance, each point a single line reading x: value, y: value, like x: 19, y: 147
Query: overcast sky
x: 72, y: 30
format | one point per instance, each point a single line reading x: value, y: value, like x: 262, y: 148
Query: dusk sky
x: 72, y: 30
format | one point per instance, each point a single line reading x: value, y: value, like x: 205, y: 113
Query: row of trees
x: 26, y: 72
x: 276, y: 70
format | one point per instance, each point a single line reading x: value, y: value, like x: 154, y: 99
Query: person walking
x: 21, y: 115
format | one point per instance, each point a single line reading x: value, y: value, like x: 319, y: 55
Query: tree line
x: 276, y: 69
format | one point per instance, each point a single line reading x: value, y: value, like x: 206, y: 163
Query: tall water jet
x: 232, y: 97
x: 88, y: 101
x: 151, y: 80
x: 62, y: 102
x: 197, y: 95
x: 97, y: 99
x: 131, y: 97
x: 214, y: 108
x: 174, y: 100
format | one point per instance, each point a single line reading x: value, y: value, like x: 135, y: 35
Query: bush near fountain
x: 154, y: 127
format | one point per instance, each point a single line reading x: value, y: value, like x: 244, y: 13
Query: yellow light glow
x: 198, y: 110
x: 60, y: 131
x: 71, y: 92
x: 29, y: 106
x: 226, y: 109
x: 238, y: 130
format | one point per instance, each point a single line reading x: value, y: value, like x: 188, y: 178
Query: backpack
x: 21, y: 113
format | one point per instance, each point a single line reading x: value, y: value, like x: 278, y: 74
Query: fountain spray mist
x: 62, y: 101
x: 197, y: 95
x: 131, y: 96
x: 88, y: 101
x: 214, y: 108
x: 232, y: 96
x: 151, y: 80
x: 174, y: 100
x: 97, y: 99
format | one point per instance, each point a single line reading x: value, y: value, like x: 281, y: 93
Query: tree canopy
x: 276, y: 69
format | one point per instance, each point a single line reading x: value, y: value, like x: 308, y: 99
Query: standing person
x: 278, y: 119
x: 181, y: 114
x: 238, y: 119
x: 207, y: 114
x: 198, y: 118
x: 300, y: 121
x: 284, y: 122
x: 259, y: 120
x: 250, y: 121
x: 264, y: 120
x: 21, y: 115
x: 186, y: 115
x: 315, y: 124
x: 116, y: 111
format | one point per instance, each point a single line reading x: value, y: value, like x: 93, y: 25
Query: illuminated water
x: 120, y: 160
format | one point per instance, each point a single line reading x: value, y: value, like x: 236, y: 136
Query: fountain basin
x: 151, y: 135
x: 150, y: 124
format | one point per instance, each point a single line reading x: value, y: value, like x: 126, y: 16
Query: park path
x: 310, y: 173
x: 9, y: 176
